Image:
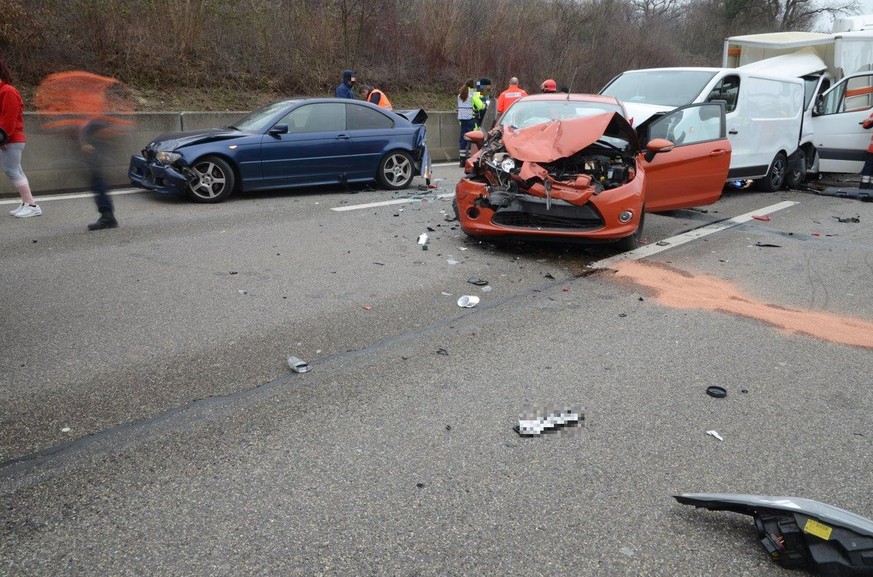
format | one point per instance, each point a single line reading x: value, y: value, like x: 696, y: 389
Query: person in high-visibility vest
x: 378, y: 97
x: 510, y: 95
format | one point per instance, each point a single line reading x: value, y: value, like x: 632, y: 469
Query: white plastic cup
x: 468, y: 301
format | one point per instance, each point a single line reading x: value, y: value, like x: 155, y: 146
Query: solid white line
x: 655, y: 248
x: 39, y: 199
x: 390, y: 202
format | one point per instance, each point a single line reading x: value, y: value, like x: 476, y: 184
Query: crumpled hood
x: 549, y: 141
x: 174, y: 140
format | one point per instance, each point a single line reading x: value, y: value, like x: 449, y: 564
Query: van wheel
x: 797, y: 174
x: 775, y: 176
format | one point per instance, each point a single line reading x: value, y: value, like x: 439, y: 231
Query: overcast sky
x: 866, y: 8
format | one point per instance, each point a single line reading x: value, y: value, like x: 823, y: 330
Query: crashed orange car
x: 571, y: 167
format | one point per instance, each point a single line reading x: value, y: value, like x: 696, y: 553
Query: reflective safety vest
x: 509, y: 96
x: 383, y: 100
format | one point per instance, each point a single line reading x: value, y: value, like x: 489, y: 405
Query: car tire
x: 775, y: 177
x: 215, y: 180
x: 633, y: 241
x: 796, y: 174
x: 396, y: 170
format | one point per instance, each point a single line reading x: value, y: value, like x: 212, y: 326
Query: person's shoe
x: 29, y: 210
x: 462, y: 162
x: 16, y: 209
x: 106, y: 220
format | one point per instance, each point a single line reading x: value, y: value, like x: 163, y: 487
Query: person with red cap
x: 549, y: 86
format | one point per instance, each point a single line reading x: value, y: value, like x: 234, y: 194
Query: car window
x: 317, y: 117
x: 728, y: 90
x: 361, y: 117
x: 259, y: 120
x: 664, y: 87
x: 690, y: 126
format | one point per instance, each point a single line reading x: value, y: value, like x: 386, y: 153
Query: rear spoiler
x: 418, y: 116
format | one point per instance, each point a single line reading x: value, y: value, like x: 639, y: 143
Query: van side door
x: 839, y: 138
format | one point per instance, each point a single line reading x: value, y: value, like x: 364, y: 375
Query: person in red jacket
x: 12, y: 143
x: 510, y: 95
x: 867, y: 171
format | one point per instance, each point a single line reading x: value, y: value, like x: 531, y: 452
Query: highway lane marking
x: 680, y: 239
x: 39, y: 199
x: 409, y: 200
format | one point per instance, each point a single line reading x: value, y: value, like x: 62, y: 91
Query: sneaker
x: 16, y: 209
x: 28, y: 211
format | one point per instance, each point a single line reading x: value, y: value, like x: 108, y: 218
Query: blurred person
x: 344, y: 90
x: 377, y: 97
x: 510, y: 95
x: 466, y: 117
x: 91, y: 109
x: 481, y: 100
x: 549, y: 86
x: 12, y: 141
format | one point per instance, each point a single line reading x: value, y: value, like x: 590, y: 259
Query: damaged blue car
x: 287, y: 144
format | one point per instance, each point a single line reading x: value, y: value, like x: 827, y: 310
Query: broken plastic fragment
x: 717, y: 392
x: 539, y: 422
x: 801, y: 533
x: 423, y: 240
x: 298, y: 365
x: 761, y: 217
x: 468, y: 301
x: 477, y: 281
x: 66, y: 430
x: 715, y: 434
x: 767, y: 244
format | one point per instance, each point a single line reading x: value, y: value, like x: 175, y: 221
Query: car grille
x: 531, y: 212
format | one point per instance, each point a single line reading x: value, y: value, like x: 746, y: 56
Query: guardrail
x: 52, y: 163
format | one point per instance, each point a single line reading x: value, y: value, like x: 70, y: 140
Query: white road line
x: 655, y: 248
x: 390, y: 202
x: 39, y: 199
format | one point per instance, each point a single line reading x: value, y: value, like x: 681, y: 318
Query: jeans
x: 466, y: 126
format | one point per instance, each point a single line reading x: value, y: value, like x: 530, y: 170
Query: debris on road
x: 442, y: 352
x: 767, y: 245
x: 468, y: 301
x: 853, y: 193
x: 298, y: 365
x: 423, y: 240
x: 856, y: 218
x: 717, y: 392
x: 477, y: 281
x: 715, y: 434
x: 539, y: 422
x: 761, y: 217
x: 800, y: 533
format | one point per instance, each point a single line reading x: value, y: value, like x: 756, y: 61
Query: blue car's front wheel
x: 396, y: 170
x: 214, y: 180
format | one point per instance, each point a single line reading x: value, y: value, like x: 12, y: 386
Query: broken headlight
x: 166, y: 157
x: 507, y: 164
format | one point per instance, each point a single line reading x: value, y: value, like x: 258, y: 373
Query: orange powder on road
x: 685, y: 291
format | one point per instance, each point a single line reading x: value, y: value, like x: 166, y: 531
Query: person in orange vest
x: 510, y: 95
x: 867, y: 171
x: 549, y: 86
x: 378, y: 97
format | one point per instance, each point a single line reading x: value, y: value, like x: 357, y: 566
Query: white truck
x: 763, y: 119
x: 836, y: 71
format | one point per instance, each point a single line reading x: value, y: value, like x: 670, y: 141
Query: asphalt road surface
x: 151, y: 426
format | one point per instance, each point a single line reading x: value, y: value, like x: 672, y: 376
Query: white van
x: 764, y: 112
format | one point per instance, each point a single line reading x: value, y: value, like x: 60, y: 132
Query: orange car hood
x: 549, y: 141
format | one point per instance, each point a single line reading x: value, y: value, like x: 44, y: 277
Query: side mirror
x: 657, y: 146
x: 278, y: 129
x: 818, y: 109
x: 475, y: 136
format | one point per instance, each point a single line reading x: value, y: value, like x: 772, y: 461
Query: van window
x: 727, y: 89
x: 663, y: 86
x: 852, y: 95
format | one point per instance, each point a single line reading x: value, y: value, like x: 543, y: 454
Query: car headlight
x: 166, y: 157
x: 507, y: 164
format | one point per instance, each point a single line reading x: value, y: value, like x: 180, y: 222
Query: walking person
x: 12, y: 143
x: 466, y: 118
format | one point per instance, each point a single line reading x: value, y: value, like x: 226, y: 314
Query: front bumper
x: 533, y: 217
x: 152, y: 175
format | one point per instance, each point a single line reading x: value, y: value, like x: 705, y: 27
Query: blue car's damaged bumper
x: 156, y: 176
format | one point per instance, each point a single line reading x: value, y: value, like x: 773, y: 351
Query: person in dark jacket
x: 344, y: 90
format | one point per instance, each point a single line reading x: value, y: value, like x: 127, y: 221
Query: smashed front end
x: 575, y: 178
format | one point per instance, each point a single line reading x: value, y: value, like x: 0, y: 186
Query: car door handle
x: 718, y: 152
x: 733, y: 131
x: 343, y: 137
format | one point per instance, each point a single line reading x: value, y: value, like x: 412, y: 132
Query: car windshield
x: 261, y: 119
x: 662, y: 87
x: 529, y: 112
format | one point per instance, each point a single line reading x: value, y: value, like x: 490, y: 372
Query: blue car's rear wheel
x: 396, y: 170
x: 215, y: 180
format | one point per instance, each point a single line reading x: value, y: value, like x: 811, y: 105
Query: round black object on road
x: 717, y: 392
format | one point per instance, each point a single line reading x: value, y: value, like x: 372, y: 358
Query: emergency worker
x: 481, y: 100
x: 549, y: 86
x: 378, y: 97
x: 510, y: 95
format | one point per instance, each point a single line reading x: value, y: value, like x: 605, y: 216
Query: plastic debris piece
x: 242, y: 292
x: 423, y: 240
x: 66, y: 430
x: 447, y: 294
x: 542, y: 421
x: 715, y: 434
x: 468, y: 301
x: 486, y: 288
x: 717, y: 392
x: 451, y: 261
x: 761, y: 217
x: 662, y: 243
x: 477, y: 281
x: 298, y: 365
x: 367, y: 307
x: 442, y: 352
x: 848, y: 219
x: 767, y: 244
x: 549, y: 275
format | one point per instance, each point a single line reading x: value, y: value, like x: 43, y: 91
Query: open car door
x: 839, y: 138
x: 693, y: 173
